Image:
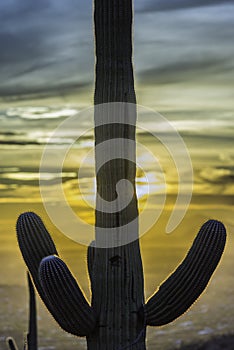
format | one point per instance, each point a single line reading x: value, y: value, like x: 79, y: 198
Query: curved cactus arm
x: 190, y: 279
x: 35, y: 244
x: 11, y: 343
x: 64, y: 294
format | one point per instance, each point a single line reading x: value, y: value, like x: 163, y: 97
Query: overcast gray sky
x: 47, y: 45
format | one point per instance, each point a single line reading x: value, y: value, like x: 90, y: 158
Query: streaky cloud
x: 182, y: 71
x: 161, y: 5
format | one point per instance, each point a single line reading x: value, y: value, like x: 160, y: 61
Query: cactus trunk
x: 116, y: 272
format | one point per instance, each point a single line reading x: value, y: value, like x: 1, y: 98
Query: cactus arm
x: 32, y: 332
x: 35, y: 244
x: 65, y: 296
x: 30, y: 342
x: 11, y: 343
x: 189, y: 280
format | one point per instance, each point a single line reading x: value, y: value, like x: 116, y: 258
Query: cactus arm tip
x: 11, y: 343
x: 191, y: 277
x: 34, y: 241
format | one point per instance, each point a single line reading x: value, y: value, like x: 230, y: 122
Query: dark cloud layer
x: 42, y: 45
x: 162, y: 5
x: 181, y: 71
x: 186, y: 46
x: 47, y: 45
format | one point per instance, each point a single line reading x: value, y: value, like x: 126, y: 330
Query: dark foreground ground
x: 225, y: 342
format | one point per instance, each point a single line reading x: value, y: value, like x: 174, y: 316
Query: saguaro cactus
x: 118, y: 315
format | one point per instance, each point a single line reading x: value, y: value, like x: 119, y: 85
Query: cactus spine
x: 118, y: 315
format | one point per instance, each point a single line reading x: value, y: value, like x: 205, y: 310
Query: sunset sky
x: 183, y: 52
x: 184, y: 69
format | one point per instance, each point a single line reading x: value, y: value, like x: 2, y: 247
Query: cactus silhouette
x: 30, y: 343
x: 118, y: 315
x: 11, y: 344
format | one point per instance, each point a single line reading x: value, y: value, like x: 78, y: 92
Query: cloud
x: 185, y: 46
x: 219, y: 175
x: 15, y: 8
x: 43, y: 44
x: 181, y: 71
x: 47, y: 45
x: 162, y: 5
